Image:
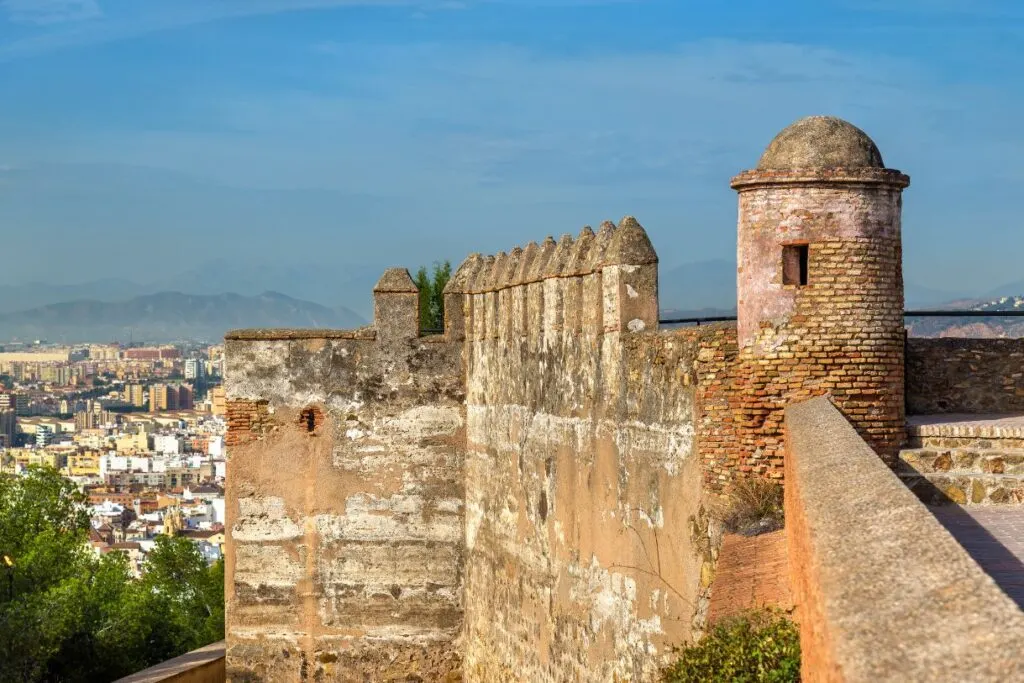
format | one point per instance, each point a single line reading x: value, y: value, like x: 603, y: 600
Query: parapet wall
x: 584, y: 534
x: 884, y: 593
x: 965, y: 375
x: 345, y: 500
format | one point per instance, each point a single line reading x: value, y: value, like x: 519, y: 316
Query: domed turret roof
x: 820, y: 142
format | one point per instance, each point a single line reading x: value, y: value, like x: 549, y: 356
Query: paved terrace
x: 993, y: 535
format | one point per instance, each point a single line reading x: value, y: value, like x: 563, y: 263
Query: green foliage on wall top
x: 431, y: 286
x: 760, y: 646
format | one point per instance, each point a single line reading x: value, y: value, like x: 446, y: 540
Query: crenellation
x: 526, y: 264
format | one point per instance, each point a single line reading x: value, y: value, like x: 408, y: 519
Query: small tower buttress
x: 820, y: 274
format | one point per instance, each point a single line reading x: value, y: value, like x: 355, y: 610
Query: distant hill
x: 169, y: 316
x: 34, y: 294
x: 979, y: 327
x: 347, y: 286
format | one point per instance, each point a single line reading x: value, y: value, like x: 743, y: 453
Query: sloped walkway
x: 752, y: 572
x: 994, y: 537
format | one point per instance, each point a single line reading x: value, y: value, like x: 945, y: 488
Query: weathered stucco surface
x: 581, y: 484
x: 345, y: 543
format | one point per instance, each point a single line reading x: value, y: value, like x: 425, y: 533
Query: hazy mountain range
x: 169, y: 316
x: 209, y: 299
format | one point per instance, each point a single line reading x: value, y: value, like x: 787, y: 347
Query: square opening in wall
x: 794, y: 264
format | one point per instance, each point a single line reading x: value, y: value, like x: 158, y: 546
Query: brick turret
x: 820, y: 282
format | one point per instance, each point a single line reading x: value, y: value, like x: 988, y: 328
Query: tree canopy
x: 67, y: 614
x: 431, y: 286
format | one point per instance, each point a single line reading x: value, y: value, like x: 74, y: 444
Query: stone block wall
x: 344, y: 547
x: 965, y: 376
x: 584, y: 536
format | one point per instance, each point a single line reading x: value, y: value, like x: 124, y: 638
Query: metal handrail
x: 906, y: 314
x: 710, y: 319
x: 963, y: 314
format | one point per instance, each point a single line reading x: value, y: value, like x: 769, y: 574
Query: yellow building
x: 217, y: 399
x: 104, y: 352
x: 133, y: 393
x: 60, y: 355
x: 162, y: 397
x: 83, y: 465
x: 27, y: 458
x: 132, y: 443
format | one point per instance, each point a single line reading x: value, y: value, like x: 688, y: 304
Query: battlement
x: 596, y: 283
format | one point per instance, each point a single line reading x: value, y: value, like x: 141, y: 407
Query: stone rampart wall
x: 345, y: 500
x: 965, y: 375
x: 585, y: 538
x: 883, y: 592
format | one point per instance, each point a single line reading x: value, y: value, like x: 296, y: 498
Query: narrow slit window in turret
x: 794, y: 264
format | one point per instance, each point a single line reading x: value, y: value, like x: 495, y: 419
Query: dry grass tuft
x: 754, y: 506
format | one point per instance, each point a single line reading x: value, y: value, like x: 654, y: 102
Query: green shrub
x: 761, y: 646
x: 754, y: 506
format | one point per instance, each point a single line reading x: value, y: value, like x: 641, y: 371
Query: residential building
x: 217, y: 401
x: 132, y: 443
x: 134, y: 395
x: 186, y: 397
x: 44, y: 435
x: 195, y: 368
x: 168, y: 444
x: 160, y: 398
x: 8, y: 427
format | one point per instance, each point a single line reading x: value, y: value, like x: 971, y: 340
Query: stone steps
x: 964, y: 475
x: 966, y: 489
x: 966, y: 460
x: 941, y: 441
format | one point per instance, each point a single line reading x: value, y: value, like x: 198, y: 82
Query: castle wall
x: 965, y: 375
x: 345, y: 495
x: 586, y: 546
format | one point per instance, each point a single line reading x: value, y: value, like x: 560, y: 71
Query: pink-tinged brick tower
x: 820, y: 282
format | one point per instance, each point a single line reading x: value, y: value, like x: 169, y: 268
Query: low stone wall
x: 965, y: 375
x: 882, y: 591
x: 205, y: 665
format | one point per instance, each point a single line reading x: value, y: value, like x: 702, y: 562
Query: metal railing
x: 906, y: 314
x: 963, y: 314
x: 698, y: 321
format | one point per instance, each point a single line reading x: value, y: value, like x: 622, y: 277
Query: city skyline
x: 391, y: 133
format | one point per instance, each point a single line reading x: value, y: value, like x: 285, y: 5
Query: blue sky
x: 149, y: 136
